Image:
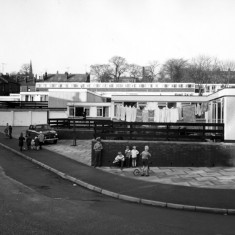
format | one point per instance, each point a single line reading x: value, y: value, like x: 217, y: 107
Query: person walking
x: 21, y: 141
x: 10, y: 132
x: 41, y: 139
x: 28, y: 141
x: 98, y: 148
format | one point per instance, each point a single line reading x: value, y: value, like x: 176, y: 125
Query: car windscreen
x: 43, y: 127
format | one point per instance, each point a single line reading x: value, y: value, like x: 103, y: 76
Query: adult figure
x: 98, y: 148
x: 10, y: 132
x: 21, y: 141
x: 41, y: 139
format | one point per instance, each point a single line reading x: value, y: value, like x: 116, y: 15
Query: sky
x: 71, y: 35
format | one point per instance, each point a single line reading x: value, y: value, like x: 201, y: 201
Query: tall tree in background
x: 174, y: 69
x: 118, y: 67
x: 102, y: 72
x: 25, y: 70
x: 151, y: 71
x: 135, y: 71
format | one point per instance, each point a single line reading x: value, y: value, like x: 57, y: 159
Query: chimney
x: 67, y: 75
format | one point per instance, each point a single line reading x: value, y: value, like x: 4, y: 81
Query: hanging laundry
x: 199, y: 112
x: 189, y: 113
x: 145, y: 116
x: 118, y: 112
x: 139, y: 116
x: 128, y: 113
x: 123, y: 113
x: 156, y: 115
x: 133, y: 114
x: 151, y: 115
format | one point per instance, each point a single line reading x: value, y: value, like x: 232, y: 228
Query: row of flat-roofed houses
x: 69, y: 96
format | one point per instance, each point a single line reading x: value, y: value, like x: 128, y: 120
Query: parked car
x: 50, y: 135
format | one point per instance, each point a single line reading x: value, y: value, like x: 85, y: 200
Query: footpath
x: 129, y: 189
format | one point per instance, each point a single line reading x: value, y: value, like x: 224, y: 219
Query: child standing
x: 128, y: 156
x: 145, y: 160
x: 36, y: 140
x: 134, y: 153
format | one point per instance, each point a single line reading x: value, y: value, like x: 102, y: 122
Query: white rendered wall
x: 229, y: 118
x: 58, y: 114
x: 22, y: 118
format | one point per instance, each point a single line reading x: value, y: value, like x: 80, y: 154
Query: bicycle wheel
x: 136, y: 172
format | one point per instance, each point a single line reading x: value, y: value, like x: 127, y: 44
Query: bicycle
x: 140, y: 171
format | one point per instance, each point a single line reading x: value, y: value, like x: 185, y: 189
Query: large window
x: 99, y: 111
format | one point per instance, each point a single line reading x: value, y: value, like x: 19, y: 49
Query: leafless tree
x: 119, y: 67
x: 102, y: 72
x: 151, y: 71
x: 25, y: 69
x: 135, y: 71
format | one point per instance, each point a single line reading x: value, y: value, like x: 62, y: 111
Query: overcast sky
x: 73, y: 34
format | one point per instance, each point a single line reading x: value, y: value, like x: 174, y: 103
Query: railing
x: 159, y: 131
x: 23, y: 104
x: 88, y: 123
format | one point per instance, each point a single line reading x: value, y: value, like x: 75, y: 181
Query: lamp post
x: 74, y: 129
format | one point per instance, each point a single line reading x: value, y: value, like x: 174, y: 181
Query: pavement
x: 187, y: 188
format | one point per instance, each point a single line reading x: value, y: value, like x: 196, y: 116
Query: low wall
x: 178, y: 154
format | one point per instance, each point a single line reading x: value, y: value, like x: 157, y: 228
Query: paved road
x: 46, y: 204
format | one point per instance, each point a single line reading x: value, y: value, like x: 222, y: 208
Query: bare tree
x: 119, y: 67
x: 227, y: 71
x: 135, y: 71
x: 102, y: 72
x: 174, y: 69
x: 151, y: 71
x: 25, y: 69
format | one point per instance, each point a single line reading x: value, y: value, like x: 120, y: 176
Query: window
x: 99, y: 111
x: 71, y: 111
x: 165, y: 85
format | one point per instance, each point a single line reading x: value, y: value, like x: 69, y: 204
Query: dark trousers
x: 128, y: 161
x: 40, y: 144
x: 98, y: 158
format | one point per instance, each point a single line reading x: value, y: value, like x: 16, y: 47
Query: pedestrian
x: 41, y: 139
x: 119, y: 159
x: 28, y: 141
x: 36, y: 140
x: 134, y: 153
x: 145, y: 160
x: 6, y: 130
x: 10, y: 132
x: 127, y: 156
x: 98, y: 148
x: 21, y: 141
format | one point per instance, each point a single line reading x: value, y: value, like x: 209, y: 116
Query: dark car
x: 50, y: 135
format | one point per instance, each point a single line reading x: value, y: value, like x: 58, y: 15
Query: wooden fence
x: 23, y: 104
x: 108, y: 129
x: 159, y: 131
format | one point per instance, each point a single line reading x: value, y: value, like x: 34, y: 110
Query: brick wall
x: 179, y: 154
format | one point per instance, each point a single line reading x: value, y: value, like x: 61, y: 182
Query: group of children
x: 130, y: 157
x: 31, y: 143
